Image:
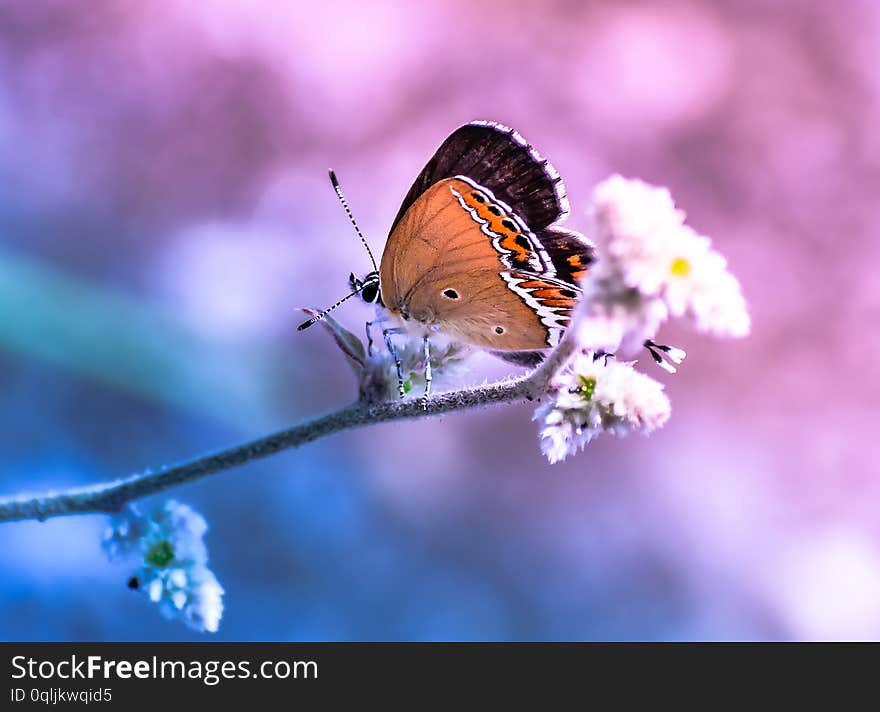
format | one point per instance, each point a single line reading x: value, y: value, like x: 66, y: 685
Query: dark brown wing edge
x: 571, y: 253
x: 497, y: 157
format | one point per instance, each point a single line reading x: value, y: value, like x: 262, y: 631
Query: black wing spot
x: 509, y: 224
x: 499, y: 329
x: 570, y: 252
x: 570, y: 293
x: 523, y: 242
x: 479, y: 197
x: 450, y: 294
x: 494, y: 209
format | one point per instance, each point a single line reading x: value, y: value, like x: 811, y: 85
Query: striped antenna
x: 315, y: 319
x: 344, y: 202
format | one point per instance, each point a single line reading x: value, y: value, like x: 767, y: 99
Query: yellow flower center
x: 680, y: 267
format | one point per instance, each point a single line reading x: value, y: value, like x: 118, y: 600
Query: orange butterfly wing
x: 463, y: 261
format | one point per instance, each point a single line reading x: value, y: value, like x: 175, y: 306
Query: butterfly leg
x: 386, y: 334
x: 368, y: 327
x: 428, y: 375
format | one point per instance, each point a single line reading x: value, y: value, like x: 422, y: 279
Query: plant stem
x: 111, y: 496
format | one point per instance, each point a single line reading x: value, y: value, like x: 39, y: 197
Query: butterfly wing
x: 500, y: 159
x: 463, y: 260
x: 512, y: 311
x: 571, y: 253
x: 476, y: 248
x: 572, y: 256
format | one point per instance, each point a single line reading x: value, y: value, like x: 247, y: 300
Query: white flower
x: 652, y: 266
x: 594, y: 395
x: 379, y: 379
x: 188, y: 592
x: 633, y: 225
x: 699, y: 286
x: 613, y: 319
x: 173, y: 562
x: 374, y: 365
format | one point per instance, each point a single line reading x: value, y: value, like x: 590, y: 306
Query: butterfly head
x: 368, y: 287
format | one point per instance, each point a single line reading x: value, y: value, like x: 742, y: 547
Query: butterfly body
x: 476, y: 253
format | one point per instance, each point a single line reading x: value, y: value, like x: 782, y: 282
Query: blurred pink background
x: 165, y: 208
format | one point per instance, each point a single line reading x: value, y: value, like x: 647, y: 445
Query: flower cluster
x: 380, y: 374
x: 651, y: 266
x: 172, y: 562
x: 594, y: 394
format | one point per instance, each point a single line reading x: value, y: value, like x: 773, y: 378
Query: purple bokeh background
x: 165, y: 208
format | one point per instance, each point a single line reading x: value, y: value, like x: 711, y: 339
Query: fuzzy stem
x: 110, y: 496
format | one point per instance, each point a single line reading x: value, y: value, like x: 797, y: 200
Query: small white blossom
x: 447, y: 362
x: 590, y: 396
x: 651, y: 266
x: 374, y: 365
x: 616, y: 319
x: 172, y: 562
x: 191, y: 593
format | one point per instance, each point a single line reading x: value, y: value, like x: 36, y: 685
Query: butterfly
x: 477, y: 251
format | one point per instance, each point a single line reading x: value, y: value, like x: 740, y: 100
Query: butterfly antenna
x: 344, y: 202
x: 318, y: 317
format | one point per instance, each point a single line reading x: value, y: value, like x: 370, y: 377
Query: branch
x: 111, y: 496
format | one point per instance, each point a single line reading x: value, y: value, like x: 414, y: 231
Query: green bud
x: 587, y: 386
x: 160, y: 554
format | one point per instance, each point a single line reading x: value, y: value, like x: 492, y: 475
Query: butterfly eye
x: 450, y: 294
x: 370, y: 293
